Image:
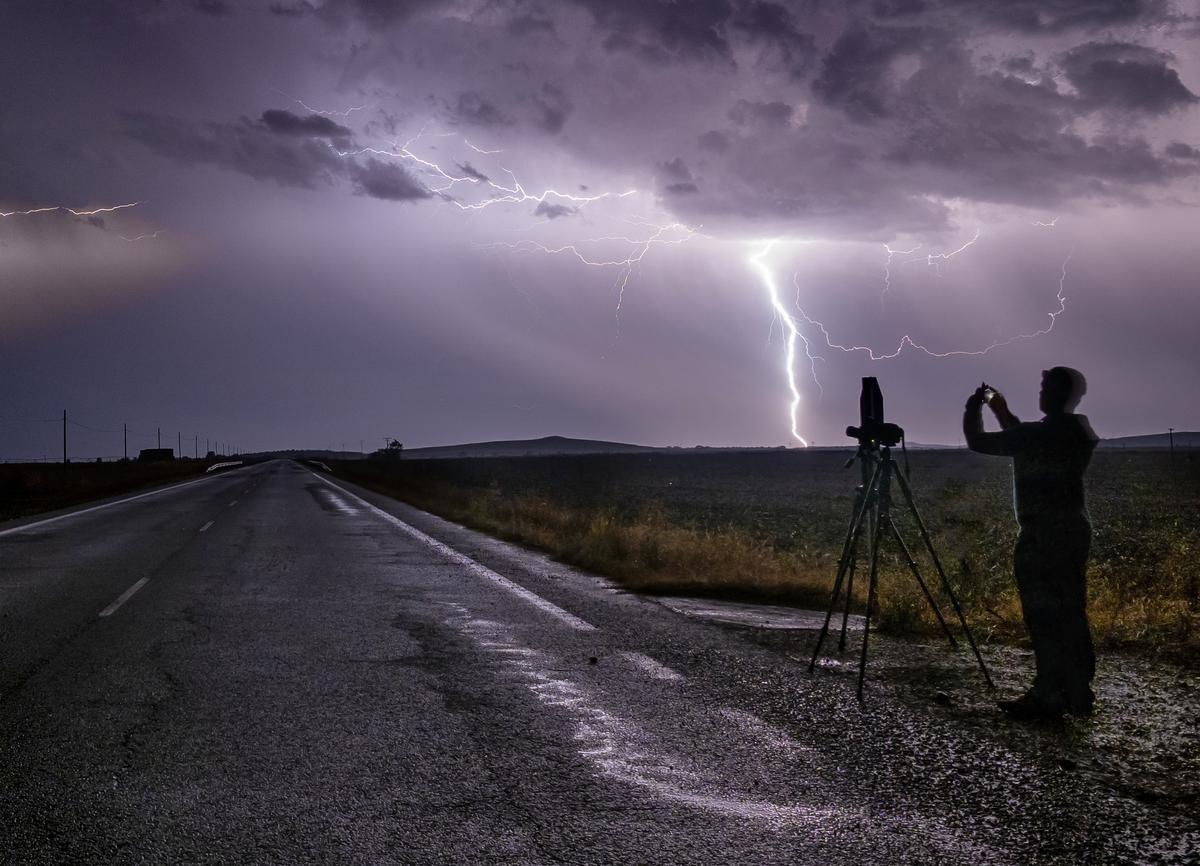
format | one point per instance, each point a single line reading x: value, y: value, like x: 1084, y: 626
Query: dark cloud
x: 774, y: 26
x: 1179, y: 150
x: 663, y: 31
x: 531, y: 24
x: 552, y: 107
x: 679, y: 177
x: 471, y: 171
x: 215, y: 8
x: 553, y: 211
x: 675, y: 169
x: 1029, y: 16
x: 314, y: 125
x: 244, y: 146
x: 386, y: 180
x: 1125, y: 76
x: 474, y: 109
x: 770, y: 114
x: 372, y: 13
x: 855, y: 74
x: 714, y: 140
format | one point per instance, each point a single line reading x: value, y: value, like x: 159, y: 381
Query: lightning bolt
x: 668, y: 234
x: 69, y: 210
x: 936, y: 260
x: 792, y: 335
x: 149, y: 236
x: 887, y: 265
x: 446, y: 180
x: 322, y: 112
x: 906, y: 340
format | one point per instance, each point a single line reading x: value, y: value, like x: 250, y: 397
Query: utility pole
x: 196, y: 445
x: 125, y: 440
x: 64, y: 436
x: 207, y: 446
x: 160, y: 438
x: 1171, y: 440
x: 178, y: 444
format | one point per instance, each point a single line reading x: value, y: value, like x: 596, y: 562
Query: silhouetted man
x: 1050, y: 563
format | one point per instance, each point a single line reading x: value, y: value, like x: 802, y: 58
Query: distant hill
x: 1183, y: 439
x: 563, y: 445
x: 527, y: 448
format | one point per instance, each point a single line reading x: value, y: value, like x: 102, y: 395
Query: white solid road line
x: 49, y: 520
x: 474, y: 567
x: 124, y: 597
x: 205, y: 527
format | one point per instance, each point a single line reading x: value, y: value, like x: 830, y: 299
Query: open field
x: 770, y: 525
x: 31, y: 488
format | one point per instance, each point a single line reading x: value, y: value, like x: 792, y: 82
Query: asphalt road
x: 274, y: 667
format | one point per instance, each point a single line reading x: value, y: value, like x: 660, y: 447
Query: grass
x: 33, y: 488
x: 769, y: 525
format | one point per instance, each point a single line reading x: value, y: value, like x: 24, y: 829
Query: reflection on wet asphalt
x: 308, y: 681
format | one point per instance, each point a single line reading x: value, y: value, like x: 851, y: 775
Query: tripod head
x: 873, y: 431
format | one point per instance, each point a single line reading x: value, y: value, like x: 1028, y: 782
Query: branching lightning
x: 906, y: 340
x: 792, y: 334
x: 443, y: 180
x: 319, y: 111
x: 669, y: 234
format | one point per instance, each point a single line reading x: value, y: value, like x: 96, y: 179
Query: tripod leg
x: 849, y: 596
x: 912, y: 565
x: 937, y: 563
x: 843, y: 563
x: 872, y: 584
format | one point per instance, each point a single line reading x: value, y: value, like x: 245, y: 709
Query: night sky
x: 463, y: 221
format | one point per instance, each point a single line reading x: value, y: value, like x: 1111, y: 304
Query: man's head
x: 1062, y: 389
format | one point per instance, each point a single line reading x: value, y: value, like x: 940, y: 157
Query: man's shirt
x: 1049, y: 459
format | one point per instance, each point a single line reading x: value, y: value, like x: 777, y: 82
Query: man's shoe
x: 1032, y: 706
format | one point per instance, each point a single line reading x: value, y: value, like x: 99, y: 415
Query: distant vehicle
x: 156, y: 455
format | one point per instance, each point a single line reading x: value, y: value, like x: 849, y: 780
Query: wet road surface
x: 275, y: 666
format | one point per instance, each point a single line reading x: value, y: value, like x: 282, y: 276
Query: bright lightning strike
x: 791, y: 336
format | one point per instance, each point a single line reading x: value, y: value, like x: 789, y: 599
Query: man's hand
x: 1004, y: 415
x: 976, y: 400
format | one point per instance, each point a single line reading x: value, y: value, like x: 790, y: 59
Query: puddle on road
x: 756, y: 615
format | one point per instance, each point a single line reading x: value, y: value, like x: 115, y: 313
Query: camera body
x: 873, y: 431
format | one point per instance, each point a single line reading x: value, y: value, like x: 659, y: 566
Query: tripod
x: 872, y: 507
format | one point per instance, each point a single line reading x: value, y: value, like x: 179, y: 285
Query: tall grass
x: 770, y: 526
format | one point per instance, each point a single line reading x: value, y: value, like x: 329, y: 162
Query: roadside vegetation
x: 769, y: 526
x: 32, y: 488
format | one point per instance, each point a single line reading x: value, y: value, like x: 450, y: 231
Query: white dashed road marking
x: 205, y: 527
x: 124, y: 597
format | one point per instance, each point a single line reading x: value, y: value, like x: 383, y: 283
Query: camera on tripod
x: 872, y: 516
x: 873, y: 431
